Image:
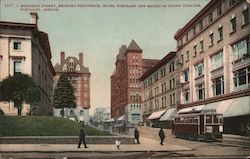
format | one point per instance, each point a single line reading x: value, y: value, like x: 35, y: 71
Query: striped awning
x: 156, y: 115
x: 169, y: 113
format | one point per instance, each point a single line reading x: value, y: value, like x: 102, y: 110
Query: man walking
x: 82, y: 138
x: 137, y: 135
x: 162, y: 135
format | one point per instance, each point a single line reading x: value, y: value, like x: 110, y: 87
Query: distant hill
x: 43, y: 126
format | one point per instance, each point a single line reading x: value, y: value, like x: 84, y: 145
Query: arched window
x: 71, y: 112
x: 77, y: 68
x: 71, y: 62
x: 81, y: 112
x: 64, y: 67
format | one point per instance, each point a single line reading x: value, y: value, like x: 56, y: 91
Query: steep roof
x: 59, y: 67
x: 133, y: 46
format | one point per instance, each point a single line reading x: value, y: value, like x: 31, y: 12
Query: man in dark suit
x: 82, y: 138
x: 161, y: 135
x: 137, y: 135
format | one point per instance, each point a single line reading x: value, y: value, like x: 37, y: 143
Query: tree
x: 63, y: 96
x: 20, y: 89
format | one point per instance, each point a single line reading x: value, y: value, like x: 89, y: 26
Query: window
x: 218, y: 86
x: 219, y: 10
x: 135, y: 117
x: 199, y: 69
x: 85, y: 94
x: 77, y: 68
x: 186, y: 95
x: 200, y: 90
x: 182, y: 59
x: 242, y: 77
x: 233, y: 24
x: 186, y: 75
x: 16, y: 45
x: 220, y: 31
x: 64, y: 67
x: 71, y: 112
x: 210, y: 17
x: 202, y: 45
x: 172, y: 83
x: 239, y: 49
x: 194, y: 31
x: 171, y: 67
x: 201, y: 25
x: 211, y: 39
x: 187, y: 53
x: 245, y: 16
x: 81, y: 112
x: 232, y: 2
x: 195, y: 50
x: 217, y: 60
x: 17, y: 67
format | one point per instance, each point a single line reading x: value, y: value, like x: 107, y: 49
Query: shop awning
x: 240, y: 106
x: 156, y: 115
x: 169, y: 113
x: 121, y: 118
x: 110, y: 120
x: 189, y: 109
x: 220, y: 107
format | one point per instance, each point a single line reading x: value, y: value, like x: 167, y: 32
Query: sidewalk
x: 147, y: 145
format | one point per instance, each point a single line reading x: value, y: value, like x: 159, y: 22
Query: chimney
x: 34, y: 18
x: 81, y: 58
x: 62, y: 56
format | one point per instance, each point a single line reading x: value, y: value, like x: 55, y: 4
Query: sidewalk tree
x: 63, y: 96
x: 20, y: 89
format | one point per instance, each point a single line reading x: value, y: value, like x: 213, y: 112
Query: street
x: 229, y: 147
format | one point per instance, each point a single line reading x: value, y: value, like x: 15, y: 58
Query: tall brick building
x: 125, y: 84
x: 79, y: 77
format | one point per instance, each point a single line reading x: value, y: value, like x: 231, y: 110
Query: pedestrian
x: 161, y: 135
x: 82, y: 138
x: 137, y: 135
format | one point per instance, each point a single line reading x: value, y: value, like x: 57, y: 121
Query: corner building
x: 213, y: 52
x: 79, y: 76
x: 25, y: 49
x: 126, y: 87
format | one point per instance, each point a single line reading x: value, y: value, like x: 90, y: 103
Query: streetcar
x: 206, y: 125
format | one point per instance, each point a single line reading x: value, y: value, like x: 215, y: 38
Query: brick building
x: 126, y: 87
x: 213, y: 52
x: 79, y: 76
x: 25, y: 49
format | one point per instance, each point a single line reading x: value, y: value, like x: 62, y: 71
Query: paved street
x: 149, y: 148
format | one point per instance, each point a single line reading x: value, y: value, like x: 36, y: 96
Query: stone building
x: 160, y: 91
x: 126, y: 87
x: 213, y: 52
x: 25, y: 49
x: 79, y: 76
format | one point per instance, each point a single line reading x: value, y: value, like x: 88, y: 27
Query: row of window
x: 217, y: 12
x: 156, y: 103
x: 233, y: 22
x: 162, y: 73
x: 135, y: 107
x: 210, y: 119
x: 241, y: 81
x: 240, y: 49
x: 172, y: 85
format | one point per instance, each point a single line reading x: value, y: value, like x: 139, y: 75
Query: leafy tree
x: 63, y: 96
x: 20, y: 89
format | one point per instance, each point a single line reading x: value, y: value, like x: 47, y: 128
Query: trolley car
x: 204, y: 125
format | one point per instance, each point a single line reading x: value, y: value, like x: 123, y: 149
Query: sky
x: 99, y: 27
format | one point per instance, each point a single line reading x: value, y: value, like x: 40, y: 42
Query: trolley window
x: 208, y: 118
